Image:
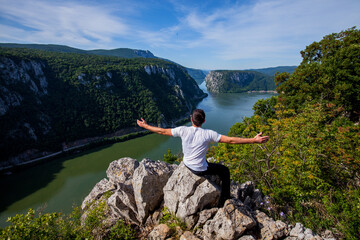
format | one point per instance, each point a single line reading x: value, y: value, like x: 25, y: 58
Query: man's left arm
x: 163, y: 131
x: 236, y: 140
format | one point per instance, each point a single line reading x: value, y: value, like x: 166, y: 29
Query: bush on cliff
x: 36, y: 225
x: 311, y: 165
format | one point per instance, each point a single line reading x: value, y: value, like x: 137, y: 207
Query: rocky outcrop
x: 184, y: 87
x: 230, y: 221
x: 28, y: 73
x: 238, y: 81
x: 186, y: 194
x: 137, y: 193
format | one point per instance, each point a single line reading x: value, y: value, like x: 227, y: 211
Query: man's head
x: 198, y: 117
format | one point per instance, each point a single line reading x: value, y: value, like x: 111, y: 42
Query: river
x: 62, y: 183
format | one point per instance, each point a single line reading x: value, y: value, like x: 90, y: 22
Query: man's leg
x: 224, y: 174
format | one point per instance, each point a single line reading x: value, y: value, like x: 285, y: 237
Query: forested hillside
x: 311, y: 166
x: 197, y: 74
x: 50, y: 98
x: 274, y: 70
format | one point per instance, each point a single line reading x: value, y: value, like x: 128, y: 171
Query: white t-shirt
x: 195, y: 142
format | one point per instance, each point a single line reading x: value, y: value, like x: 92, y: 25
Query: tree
x: 310, y: 167
x: 330, y: 71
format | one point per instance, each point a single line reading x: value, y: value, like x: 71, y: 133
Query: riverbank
x: 263, y: 91
x: 83, y: 145
x: 72, y: 148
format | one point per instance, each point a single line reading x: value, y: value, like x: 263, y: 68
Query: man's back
x: 195, y: 142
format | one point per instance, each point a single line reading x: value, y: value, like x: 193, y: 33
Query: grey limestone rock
x: 186, y: 194
x: 148, y: 182
x: 188, y: 236
x: 160, y: 232
x: 98, y: 190
x: 299, y: 232
x: 230, y: 222
x: 123, y: 206
x: 205, y: 215
x: 270, y: 229
x: 247, y: 237
x: 122, y: 170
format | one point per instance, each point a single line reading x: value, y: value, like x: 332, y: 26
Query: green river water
x: 59, y: 184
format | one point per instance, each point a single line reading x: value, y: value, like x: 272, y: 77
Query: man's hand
x: 259, y: 139
x: 141, y: 123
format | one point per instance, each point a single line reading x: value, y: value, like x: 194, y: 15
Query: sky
x: 208, y: 35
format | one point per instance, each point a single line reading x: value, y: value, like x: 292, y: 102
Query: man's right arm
x: 236, y: 140
x: 163, y: 131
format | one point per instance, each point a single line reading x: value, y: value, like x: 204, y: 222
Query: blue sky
x: 200, y: 34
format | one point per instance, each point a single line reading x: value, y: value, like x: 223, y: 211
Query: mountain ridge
x: 198, y: 74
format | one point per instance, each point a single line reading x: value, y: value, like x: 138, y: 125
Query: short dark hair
x: 198, y: 117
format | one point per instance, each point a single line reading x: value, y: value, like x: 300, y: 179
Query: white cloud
x: 63, y: 22
x: 265, y: 32
x: 270, y: 28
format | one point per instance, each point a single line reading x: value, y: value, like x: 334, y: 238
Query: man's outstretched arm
x: 163, y: 131
x: 236, y: 140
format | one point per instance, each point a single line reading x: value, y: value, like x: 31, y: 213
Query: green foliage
x: 266, y: 107
x: 170, y: 158
x: 73, y: 226
x: 172, y: 221
x: 121, y: 231
x: 272, y: 71
x: 330, y: 71
x: 310, y: 167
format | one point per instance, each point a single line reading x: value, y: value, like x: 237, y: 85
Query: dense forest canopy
x: 311, y: 166
x: 60, y: 97
x: 197, y: 74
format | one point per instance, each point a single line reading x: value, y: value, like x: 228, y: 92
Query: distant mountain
x: 197, y: 74
x: 244, y: 80
x: 118, y: 52
x: 273, y: 70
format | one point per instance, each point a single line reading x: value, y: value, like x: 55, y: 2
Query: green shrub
x: 170, y: 158
x: 34, y: 225
x: 171, y: 220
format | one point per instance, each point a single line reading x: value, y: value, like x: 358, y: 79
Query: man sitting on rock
x: 195, y: 143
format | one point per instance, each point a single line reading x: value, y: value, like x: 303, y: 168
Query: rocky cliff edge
x: 138, y: 192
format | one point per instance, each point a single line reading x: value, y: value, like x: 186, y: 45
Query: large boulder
x: 230, y: 222
x: 270, y: 229
x: 122, y: 203
x: 148, y: 182
x: 121, y: 171
x: 186, y: 194
x: 135, y: 189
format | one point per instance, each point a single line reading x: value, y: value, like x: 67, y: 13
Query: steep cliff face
x: 52, y: 98
x: 238, y: 81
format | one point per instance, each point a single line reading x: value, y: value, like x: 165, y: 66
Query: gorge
x: 57, y: 98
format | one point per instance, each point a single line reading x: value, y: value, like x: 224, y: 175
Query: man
x: 195, y: 143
